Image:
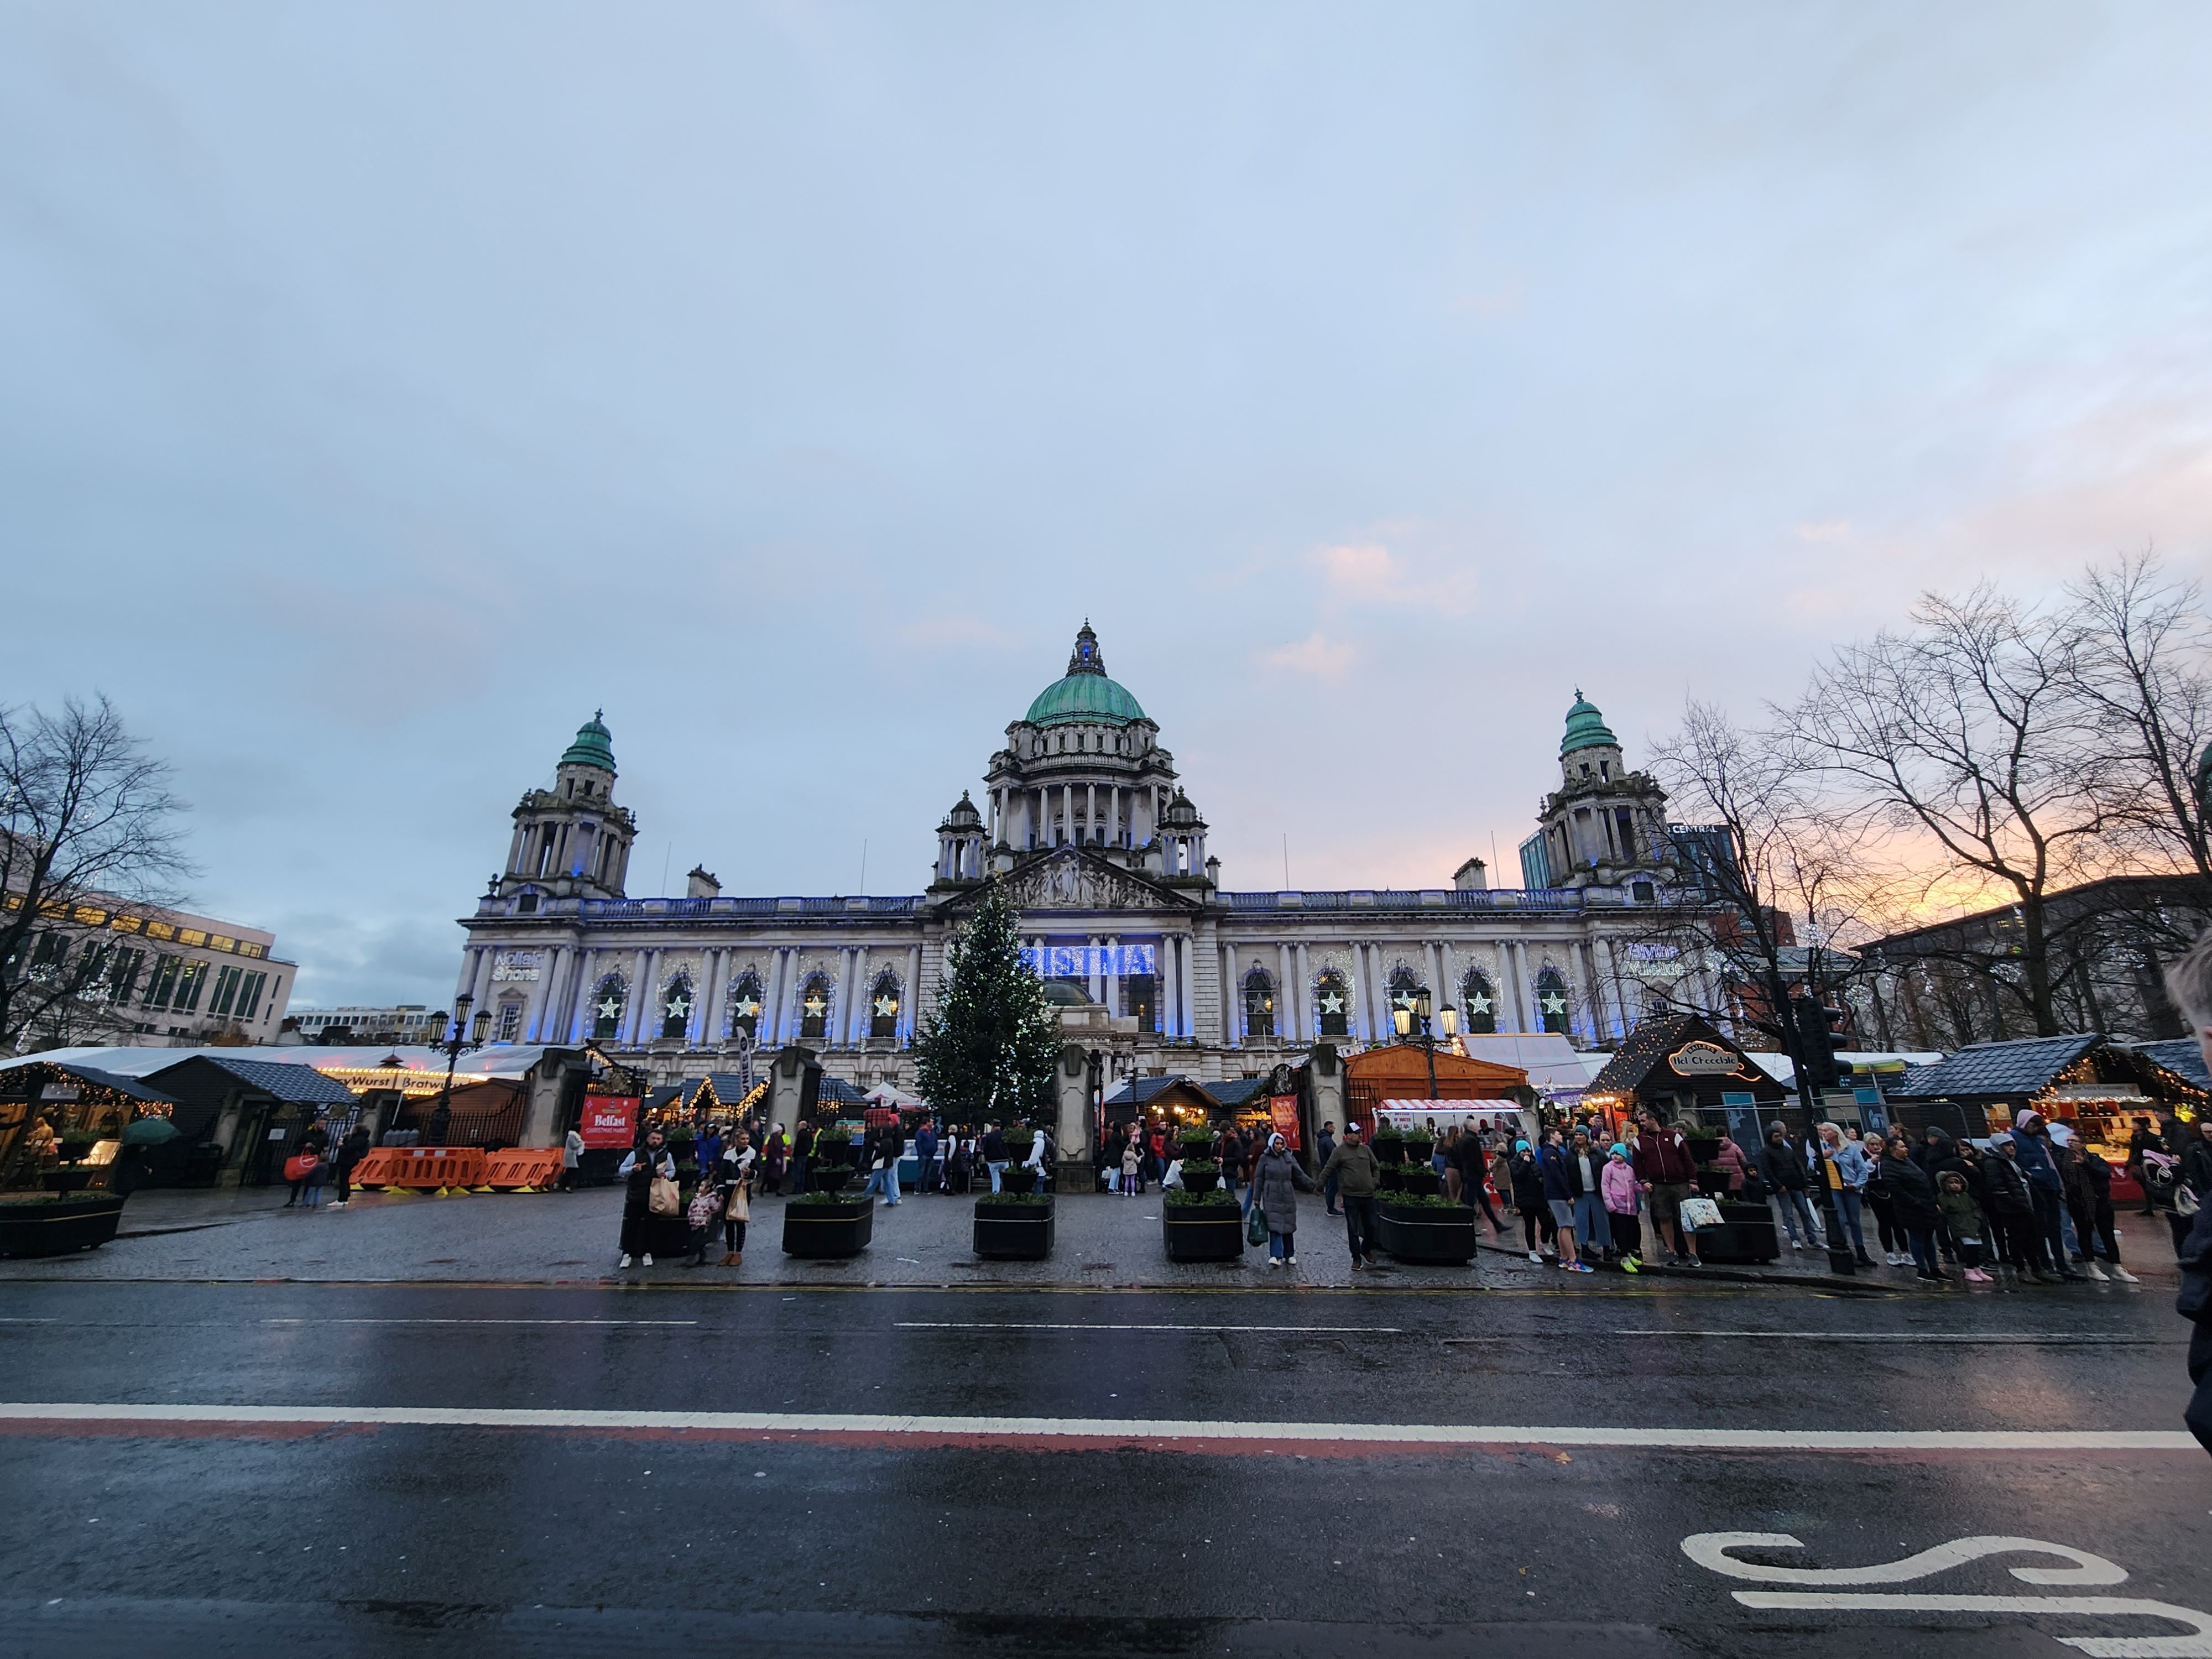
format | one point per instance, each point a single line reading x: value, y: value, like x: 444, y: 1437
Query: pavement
x: 562, y: 1237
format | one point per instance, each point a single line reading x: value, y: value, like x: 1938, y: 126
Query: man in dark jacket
x: 1781, y: 1165
x: 1353, y: 1169
x: 1667, y: 1169
x: 2039, y: 1162
x: 2008, y: 1204
x: 1473, y: 1175
x: 1325, y: 1149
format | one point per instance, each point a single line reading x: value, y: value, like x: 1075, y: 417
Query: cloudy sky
x: 385, y: 386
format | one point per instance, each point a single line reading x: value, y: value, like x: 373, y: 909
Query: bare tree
x: 1781, y: 871
x: 89, y: 839
x: 2138, y: 649
x: 1966, y: 729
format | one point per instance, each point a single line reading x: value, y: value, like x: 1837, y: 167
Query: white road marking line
x: 2199, y: 1643
x: 479, y: 1322
x: 1202, y: 1330
x: 1116, y: 1430
x: 2048, y: 1338
x: 1710, y: 1550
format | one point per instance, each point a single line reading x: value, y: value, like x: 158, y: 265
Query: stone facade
x: 1084, y: 817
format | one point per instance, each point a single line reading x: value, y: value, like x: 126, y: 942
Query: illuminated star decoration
x: 886, y: 1006
x: 1478, y: 1004
x: 1331, y: 1003
x: 610, y: 1007
x: 747, y: 1007
x: 814, y: 1004
x: 680, y: 1006
x: 1553, y: 1003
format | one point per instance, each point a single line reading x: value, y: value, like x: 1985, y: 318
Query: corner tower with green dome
x: 1606, y: 826
x: 571, y: 840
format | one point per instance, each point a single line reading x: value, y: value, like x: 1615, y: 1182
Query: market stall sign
x: 1706, y: 1059
x: 2095, y: 1091
x: 610, y: 1120
x: 58, y: 1091
x: 1284, y: 1110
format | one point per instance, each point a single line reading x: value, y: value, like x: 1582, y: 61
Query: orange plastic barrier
x: 426, y: 1167
x: 522, y: 1166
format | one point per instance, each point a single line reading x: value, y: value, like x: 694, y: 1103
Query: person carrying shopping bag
x: 1276, y: 1182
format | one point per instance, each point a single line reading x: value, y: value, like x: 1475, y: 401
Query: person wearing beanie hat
x: 1623, y: 1199
x: 2031, y: 1144
x: 1527, y: 1181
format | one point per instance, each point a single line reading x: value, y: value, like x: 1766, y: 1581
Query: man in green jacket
x: 1353, y: 1167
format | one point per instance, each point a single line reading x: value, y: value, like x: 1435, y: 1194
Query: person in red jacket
x: 1666, y: 1171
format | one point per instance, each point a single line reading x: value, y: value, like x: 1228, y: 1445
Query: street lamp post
x: 464, y: 1037
x: 1414, y: 1011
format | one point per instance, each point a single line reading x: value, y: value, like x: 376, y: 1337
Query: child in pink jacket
x: 1617, y: 1183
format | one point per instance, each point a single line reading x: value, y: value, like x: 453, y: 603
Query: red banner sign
x: 1284, y: 1110
x: 610, y: 1120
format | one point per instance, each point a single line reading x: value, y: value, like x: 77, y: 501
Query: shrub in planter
x: 826, y: 1177
x: 1014, y: 1226
x: 1389, y: 1145
x: 1202, y: 1227
x: 56, y: 1224
x: 1200, y: 1175
x: 1419, y: 1149
x: 1428, y: 1227
x: 1419, y: 1178
x: 1017, y: 1178
x: 823, y: 1224
x: 1197, y: 1142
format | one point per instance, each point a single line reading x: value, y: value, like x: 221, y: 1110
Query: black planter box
x: 59, y: 1227
x: 1202, y: 1180
x: 822, y: 1231
x: 1388, y: 1151
x: 1013, y: 1232
x: 1744, y: 1237
x: 1423, y: 1233
x: 1419, y: 1179
x: 1202, y: 1232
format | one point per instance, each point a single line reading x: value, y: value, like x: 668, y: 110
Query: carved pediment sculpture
x: 1067, y: 880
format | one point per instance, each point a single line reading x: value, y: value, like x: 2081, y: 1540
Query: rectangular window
x: 123, y: 975
x: 219, y: 942
x: 163, y: 984
x: 191, y: 936
x: 510, y: 1022
x: 248, y: 948
x: 127, y: 924
x: 225, y: 988
x: 191, y: 981
x: 159, y: 930
x: 249, y: 995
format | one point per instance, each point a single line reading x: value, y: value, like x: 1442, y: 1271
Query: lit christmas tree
x: 989, y: 1047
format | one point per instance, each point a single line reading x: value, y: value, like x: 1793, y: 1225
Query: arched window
x: 814, y: 1010
x: 1478, y: 1010
x: 745, y: 1005
x: 1259, y: 1004
x: 1551, y: 1001
x: 676, y: 1009
x: 1407, y: 993
x: 883, y: 1007
x: 607, y: 1004
x: 1333, y: 1003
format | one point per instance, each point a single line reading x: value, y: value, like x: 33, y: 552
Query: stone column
x: 910, y: 993
x: 1357, y: 1025
x: 864, y: 1011
x: 1449, y: 991
x: 1232, y: 1001
x: 1189, y: 986
x: 1073, y: 1077
x: 788, y: 1019
x: 640, y: 995
x: 573, y: 1006
x: 543, y: 1009
x: 1113, y: 978
x: 1516, y: 968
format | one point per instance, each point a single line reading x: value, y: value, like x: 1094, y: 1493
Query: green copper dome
x: 1085, y: 693
x: 1586, y: 728
x: 594, y: 746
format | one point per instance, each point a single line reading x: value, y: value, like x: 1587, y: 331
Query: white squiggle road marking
x: 2197, y: 1645
x: 1709, y: 1550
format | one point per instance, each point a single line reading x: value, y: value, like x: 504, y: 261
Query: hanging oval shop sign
x: 1704, y: 1059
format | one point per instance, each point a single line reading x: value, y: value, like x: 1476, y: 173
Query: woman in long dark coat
x: 1276, y: 1179
x: 637, y: 1172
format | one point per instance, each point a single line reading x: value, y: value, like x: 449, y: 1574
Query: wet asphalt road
x: 442, y: 1539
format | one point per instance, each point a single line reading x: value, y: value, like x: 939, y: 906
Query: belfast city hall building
x: 1083, y: 816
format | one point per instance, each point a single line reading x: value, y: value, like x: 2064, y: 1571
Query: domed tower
x: 1083, y: 768
x: 572, y: 841
x: 1606, y: 826
x: 962, y: 852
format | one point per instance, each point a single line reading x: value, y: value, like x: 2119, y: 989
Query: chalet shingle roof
x: 2020, y: 1067
x: 2183, y: 1056
x: 294, y: 1085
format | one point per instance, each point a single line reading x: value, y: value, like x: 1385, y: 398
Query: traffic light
x: 1816, y: 1041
